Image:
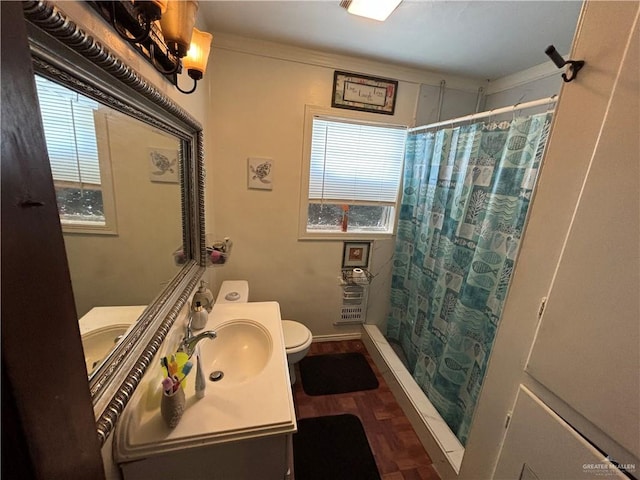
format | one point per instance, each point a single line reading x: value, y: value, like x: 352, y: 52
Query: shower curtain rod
x: 489, y: 113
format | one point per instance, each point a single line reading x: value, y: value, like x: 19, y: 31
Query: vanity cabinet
x: 241, y: 429
x: 264, y: 458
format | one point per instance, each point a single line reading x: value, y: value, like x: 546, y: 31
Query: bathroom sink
x: 100, y: 328
x: 239, y: 353
x: 99, y: 342
x: 253, y: 399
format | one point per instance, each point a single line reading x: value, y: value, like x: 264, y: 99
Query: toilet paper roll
x: 359, y: 276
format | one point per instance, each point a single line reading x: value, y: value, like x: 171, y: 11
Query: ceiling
x: 479, y: 39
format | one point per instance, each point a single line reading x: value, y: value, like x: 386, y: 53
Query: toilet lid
x: 295, y: 334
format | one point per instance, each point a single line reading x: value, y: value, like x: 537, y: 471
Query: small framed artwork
x: 356, y: 254
x: 361, y: 92
x: 163, y: 165
x: 260, y: 173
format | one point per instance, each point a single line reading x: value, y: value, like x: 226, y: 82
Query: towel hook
x: 574, y: 65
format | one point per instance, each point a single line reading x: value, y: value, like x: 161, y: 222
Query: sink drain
x: 216, y: 376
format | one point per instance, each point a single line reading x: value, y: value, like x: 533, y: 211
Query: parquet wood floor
x: 395, y: 445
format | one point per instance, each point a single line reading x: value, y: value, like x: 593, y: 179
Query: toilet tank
x: 233, y: 291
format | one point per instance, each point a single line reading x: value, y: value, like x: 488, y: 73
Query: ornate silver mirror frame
x: 64, y: 53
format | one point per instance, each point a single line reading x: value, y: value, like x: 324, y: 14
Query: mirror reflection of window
x: 84, y: 197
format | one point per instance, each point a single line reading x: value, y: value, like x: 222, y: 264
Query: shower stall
x: 467, y: 187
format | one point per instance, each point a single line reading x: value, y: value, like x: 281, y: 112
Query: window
x: 354, y: 170
x: 85, y: 204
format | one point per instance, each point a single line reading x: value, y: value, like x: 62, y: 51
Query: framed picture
x: 360, y: 92
x: 356, y: 254
x: 260, y: 173
x: 163, y: 165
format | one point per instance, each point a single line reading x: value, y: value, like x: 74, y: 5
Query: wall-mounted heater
x: 355, y: 293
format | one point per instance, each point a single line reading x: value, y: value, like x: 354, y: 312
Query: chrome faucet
x: 190, y: 341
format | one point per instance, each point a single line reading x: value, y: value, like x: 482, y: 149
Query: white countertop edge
x: 142, y: 452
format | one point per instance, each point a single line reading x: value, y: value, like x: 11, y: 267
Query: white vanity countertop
x: 258, y: 407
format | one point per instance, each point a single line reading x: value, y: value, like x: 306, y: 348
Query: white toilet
x: 297, y: 337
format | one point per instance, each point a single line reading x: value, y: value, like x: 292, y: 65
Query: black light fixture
x: 146, y: 12
x: 172, y: 45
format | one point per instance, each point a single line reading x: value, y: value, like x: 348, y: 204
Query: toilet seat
x: 296, y: 336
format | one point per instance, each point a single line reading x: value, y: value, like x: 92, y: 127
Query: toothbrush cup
x: 172, y: 407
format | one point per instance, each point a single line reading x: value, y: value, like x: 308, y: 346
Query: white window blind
x: 355, y: 163
x: 70, y: 134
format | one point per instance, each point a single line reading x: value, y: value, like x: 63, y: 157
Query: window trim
x: 310, y: 111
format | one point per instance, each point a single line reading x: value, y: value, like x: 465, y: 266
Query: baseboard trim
x: 337, y: 337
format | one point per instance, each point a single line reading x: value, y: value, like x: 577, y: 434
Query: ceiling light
x: 375, y: 9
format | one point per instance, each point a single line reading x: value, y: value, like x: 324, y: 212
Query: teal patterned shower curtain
x: 466, y: 193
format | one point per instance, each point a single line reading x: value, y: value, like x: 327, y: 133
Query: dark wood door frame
x: 46, y: 406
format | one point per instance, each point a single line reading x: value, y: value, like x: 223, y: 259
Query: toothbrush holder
x: 172, y: 407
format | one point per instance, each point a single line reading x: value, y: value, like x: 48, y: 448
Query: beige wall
x: 534, y: 83
x: 257, y: 109
x: 455, y: 103
x: 525, y: 92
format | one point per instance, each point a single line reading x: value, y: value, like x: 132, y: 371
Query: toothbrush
x: 167, y: 385
x: 165, y: 364
x: 185, y: 371
x: 174, y: 365
x: 173, y: 383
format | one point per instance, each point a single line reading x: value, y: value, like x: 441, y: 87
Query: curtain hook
x: 515, y: 106
x: 513, y: 113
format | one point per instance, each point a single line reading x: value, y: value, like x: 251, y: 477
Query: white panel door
x: 587, y: 348
x: 539, y: 445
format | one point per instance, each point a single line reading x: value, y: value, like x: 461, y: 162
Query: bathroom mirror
x: 68, y: 61
x: 118, y: 189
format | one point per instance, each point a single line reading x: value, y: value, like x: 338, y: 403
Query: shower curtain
x: 466, y: 193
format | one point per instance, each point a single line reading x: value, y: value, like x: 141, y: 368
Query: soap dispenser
x: 199, y: 319
x: 204, y: 296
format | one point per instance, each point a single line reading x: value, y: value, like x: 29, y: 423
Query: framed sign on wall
x: 361, y: 92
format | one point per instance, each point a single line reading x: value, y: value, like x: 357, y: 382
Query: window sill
x: 346, y: 236
x: 88, y: 229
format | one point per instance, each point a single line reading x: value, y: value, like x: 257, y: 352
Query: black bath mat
x: 333, y: 448
x: 336, y: 373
